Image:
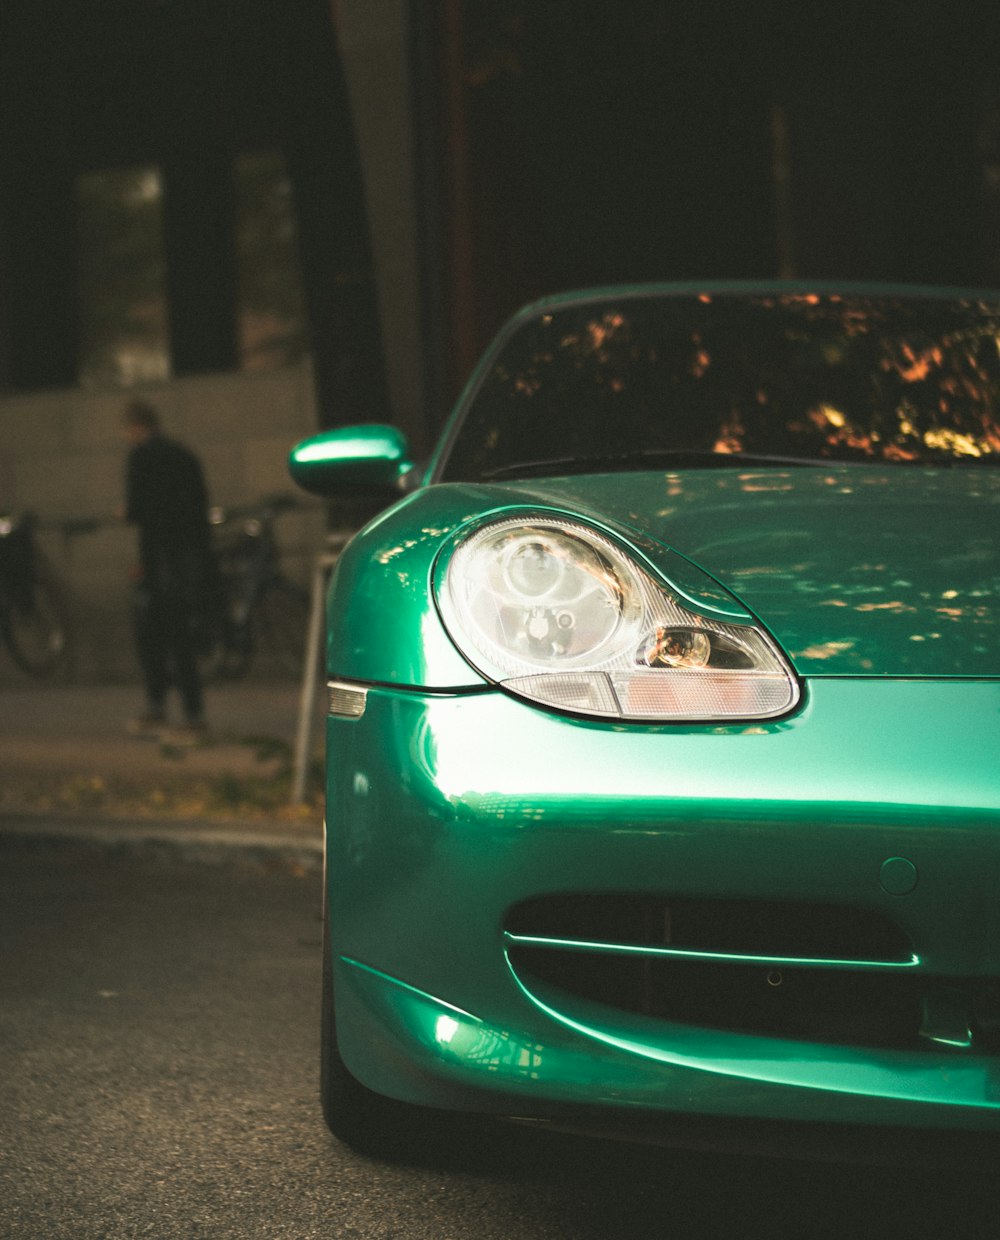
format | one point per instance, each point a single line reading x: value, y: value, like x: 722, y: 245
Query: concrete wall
x: 62, y: 456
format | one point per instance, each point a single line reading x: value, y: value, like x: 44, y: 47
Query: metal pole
x: 312, y: 666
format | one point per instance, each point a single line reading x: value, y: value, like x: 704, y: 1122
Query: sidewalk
x: 67, y: 762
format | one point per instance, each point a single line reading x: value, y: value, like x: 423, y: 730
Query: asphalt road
x: 158, y: 1046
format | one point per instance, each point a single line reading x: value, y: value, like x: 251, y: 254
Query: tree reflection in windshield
x: 625, y: 379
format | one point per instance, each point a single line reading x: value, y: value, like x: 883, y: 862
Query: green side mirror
x: 373, y: 457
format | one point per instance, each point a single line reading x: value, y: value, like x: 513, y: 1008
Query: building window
x: 272, y: 321
x: 124, y: 331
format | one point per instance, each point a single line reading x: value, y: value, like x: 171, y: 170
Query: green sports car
x: 663, y: 750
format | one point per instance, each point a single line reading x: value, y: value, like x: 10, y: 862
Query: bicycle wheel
x: 223, y: 633
x: 36, y: 630
x: 282, y: 618
x: 226, y: 651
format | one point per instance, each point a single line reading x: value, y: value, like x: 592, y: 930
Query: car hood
x: 856, y: 570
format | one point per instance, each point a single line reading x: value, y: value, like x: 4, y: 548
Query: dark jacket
x: 166, y: 497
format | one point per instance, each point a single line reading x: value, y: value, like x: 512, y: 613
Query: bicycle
x: 254, y: 604
x: 34, y: 619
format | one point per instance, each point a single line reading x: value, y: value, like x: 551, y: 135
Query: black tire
x: 37, y: 630
x: 370, y: 1123
x: 282, y: 619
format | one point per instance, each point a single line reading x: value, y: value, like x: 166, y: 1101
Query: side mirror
x: 349, y: 459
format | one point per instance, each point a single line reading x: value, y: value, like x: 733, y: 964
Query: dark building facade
x: 182, y: 91
x: 549, y: 144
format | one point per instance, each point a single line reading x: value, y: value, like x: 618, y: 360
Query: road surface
x: 158, y: 1049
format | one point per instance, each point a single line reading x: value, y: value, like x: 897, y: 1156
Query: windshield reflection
x: 622, y: 382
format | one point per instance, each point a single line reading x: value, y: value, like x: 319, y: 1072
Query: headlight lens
x: 557, y: 613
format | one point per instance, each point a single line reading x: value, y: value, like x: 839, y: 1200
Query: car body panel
x: 449, y: 809
x: 415, y: 1046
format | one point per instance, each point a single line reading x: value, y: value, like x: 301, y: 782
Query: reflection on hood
x: 856, y: 570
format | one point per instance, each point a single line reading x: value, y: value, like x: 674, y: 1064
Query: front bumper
x: 878, y: 801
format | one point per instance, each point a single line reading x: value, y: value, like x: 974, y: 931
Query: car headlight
x: 557, y: 613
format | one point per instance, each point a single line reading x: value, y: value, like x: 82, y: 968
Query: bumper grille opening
x: 740, y: 927
x: 842, y: 1007
x: 800, y: 1004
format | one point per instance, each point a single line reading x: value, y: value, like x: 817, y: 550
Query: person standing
x: 167, y: 500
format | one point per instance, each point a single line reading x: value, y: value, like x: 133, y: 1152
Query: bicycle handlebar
x: 266, y: 507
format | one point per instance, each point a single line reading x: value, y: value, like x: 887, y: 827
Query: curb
x: 190, y: 839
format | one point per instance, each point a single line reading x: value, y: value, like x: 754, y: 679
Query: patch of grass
x: 226, y: 795
x: 85, y: 792
x: 248, y: 777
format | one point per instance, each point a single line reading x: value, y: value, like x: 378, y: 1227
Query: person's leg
x: 188, y: 676
x: 182, y: 617
x: 152, y: 651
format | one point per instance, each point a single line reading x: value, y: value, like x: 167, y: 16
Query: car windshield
x: 650, y: 380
